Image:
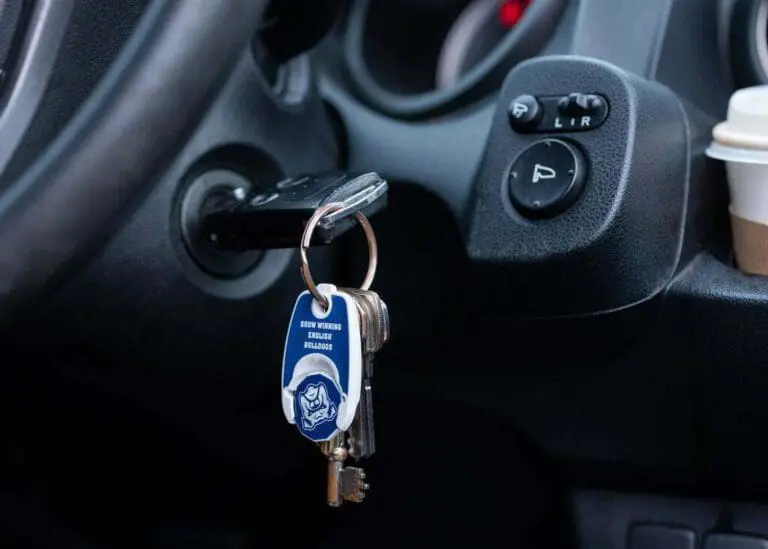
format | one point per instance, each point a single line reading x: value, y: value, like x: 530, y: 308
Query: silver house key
x: 374, y: 330
x: 343, y: 483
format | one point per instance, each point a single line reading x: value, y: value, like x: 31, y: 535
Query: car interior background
x: 572, y: 253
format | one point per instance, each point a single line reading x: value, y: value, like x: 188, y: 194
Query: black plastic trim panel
x: 620, y: 243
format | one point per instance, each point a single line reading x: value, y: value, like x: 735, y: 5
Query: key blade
x: 367, y: 417
x: 357, y: 435
x: 333, y: 486
x: 362, y: 441
x: 336, y: 453
x: 372, y: 343
x: 360, y: 201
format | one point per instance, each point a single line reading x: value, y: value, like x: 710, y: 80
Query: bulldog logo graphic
x: 316, y: 407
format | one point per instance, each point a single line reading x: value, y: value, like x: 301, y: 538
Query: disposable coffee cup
x: 742, y: 143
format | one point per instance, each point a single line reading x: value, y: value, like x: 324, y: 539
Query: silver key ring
x: 306, y: 239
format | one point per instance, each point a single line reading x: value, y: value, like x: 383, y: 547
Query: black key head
x: 276, y: 217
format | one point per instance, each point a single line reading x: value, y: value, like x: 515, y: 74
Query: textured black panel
x: 96, y: 33
x: 718, y: 317
x: 620, y: 243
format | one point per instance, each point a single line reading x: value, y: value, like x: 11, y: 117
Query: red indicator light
x: 511, y: 11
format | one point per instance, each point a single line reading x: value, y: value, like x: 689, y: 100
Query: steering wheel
x: 131, y: 126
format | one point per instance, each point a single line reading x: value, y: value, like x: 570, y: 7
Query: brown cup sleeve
x: 750, y: 242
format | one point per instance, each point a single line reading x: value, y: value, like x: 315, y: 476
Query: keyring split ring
x: 306, y: 239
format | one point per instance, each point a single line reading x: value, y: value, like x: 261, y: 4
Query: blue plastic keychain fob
x: 322, y: 365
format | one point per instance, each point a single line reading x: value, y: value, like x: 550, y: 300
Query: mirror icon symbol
x: 543, y: 172
x: 519, y: 110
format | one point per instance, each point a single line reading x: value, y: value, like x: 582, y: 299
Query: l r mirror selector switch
x: 575, y: 112
x: 581, y: 104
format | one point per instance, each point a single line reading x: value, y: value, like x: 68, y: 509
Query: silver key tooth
x: 343, y: 483
x: 352, y: 487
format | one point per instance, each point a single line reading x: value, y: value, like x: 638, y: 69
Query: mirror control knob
x: 547, y: 178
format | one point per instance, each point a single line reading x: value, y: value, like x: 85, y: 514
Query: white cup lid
x: 747, y: 123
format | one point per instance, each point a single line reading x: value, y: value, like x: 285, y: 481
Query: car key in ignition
x: 276, y: 217
x: 333, y: 333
